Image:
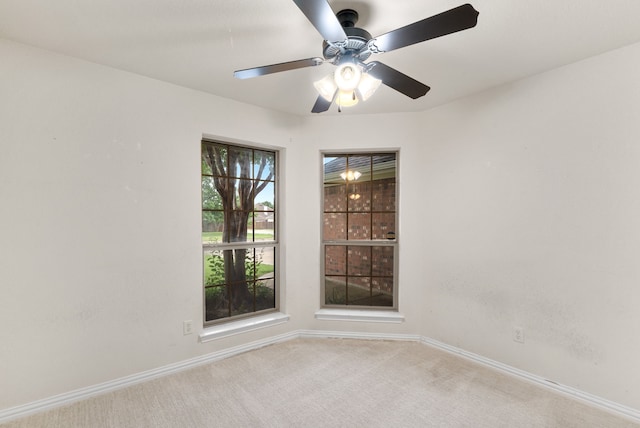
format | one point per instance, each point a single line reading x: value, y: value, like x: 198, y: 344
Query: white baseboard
x: 91, y: 391
x: 102, y: 388
x: 593, y: 400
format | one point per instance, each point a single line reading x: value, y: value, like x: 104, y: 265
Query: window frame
x: 249, y: 245
x: 394, y: 243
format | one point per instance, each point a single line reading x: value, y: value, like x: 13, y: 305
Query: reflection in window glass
x: 359, y: 206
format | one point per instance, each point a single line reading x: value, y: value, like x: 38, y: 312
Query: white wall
x: 520, y: 207
x: 100, y: 254
x: 517, y: 208
x: 532, y: 219
x: 395, y: 131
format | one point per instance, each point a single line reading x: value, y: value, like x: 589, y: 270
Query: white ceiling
x: 199, y: 43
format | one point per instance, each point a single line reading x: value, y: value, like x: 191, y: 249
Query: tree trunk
x: 234, y: 262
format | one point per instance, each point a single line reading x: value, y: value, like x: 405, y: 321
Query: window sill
x: 359, y: 315
x: 242, y: 326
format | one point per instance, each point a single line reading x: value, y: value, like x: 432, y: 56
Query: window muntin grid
x: 239, y: 226
x: 359, y: 230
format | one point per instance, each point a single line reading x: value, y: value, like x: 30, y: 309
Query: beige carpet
x: 331, y: 383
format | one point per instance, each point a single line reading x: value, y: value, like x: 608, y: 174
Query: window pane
x: 205, y: 159
x: 384, y: 226
x: 265, y: 196
x: 215, y: 158
x: 384, y: 195
x: 384, y: 166
x: 333, y: 167
x: 212, y: 223
x: 359, y: 292
x: 359, y: 226
x: 359, y: 197
x: 264, y: 227
x: 210, y: 197
x: 242, y: 194
x: 264, y: 165
x: 265, y: 295
x: 382, y: 291
x: 240, y: 161
x: 335, y: 260
x: 245, y: 303
x: 382, y: 261
x: 335, y: 290
x: 250, y: 264
x: 213, y: 267
x: 237, y: 227
x: 335, y: 227
x: 358, y: 169
x: 335, y: 198
x: 359, y: 261
x: 216, y: 303
x: 265, y: 263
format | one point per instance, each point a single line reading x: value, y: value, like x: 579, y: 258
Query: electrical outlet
x: 187, y: 327
x: 518, y: 334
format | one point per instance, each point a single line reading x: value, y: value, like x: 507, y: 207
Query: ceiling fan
x: 347, y: 47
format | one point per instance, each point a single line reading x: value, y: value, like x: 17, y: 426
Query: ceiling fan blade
x: 451, y: 21
x: 321, y: 105
x: 276, y: 68
x: 398, y: 81
x: 323, y: 18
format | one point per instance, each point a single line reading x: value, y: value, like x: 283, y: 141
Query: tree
x: 212, y: 214
x: 231, y: 168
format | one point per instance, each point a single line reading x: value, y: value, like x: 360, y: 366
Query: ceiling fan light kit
x: 347, y: 47
x: 349, y: 82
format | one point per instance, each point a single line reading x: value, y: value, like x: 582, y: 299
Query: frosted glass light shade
x: 326, y: 87
x: 368, y: 85
x: 347, y: 98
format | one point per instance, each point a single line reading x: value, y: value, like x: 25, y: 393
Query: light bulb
x: 350, y: 175
x: 347, y: 76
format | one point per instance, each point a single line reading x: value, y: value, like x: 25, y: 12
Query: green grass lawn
x: 262, y: 269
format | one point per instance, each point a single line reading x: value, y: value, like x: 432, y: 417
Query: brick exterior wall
x: 360, y: 212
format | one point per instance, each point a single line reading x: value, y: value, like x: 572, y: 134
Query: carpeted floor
x: 331, y: 383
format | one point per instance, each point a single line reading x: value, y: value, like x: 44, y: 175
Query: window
x: 239, y: 227
x: 360, y: 230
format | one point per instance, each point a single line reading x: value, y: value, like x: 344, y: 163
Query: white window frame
x: 344, y: 312
x: 234, y: 324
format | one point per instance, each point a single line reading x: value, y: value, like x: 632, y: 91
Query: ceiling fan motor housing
x: 357, y: 38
